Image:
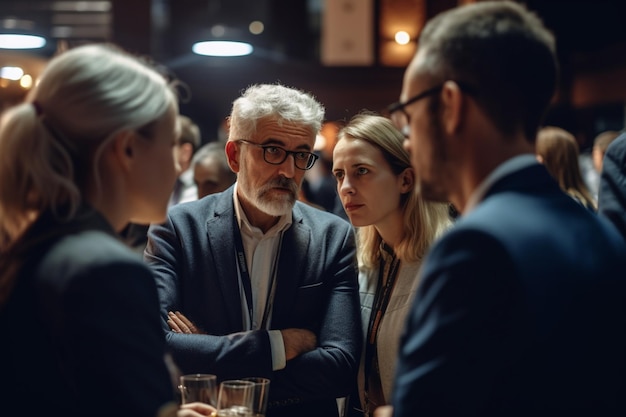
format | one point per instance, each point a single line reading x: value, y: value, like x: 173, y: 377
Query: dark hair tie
x: 38, y: 108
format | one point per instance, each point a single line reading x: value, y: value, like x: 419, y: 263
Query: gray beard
x: 272, y: 205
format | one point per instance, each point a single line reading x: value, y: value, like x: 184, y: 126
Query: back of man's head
x: 600, y: 144
x: 504, y: 55
x: 604, y: 139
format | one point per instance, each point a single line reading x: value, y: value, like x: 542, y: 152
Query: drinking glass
x: 260, y: 395
x: 235, y: 398
x: 198, y: 388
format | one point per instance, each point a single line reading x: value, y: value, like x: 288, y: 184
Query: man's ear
x: 452, y: 100
x: 232, y: 155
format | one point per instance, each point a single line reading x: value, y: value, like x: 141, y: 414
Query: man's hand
x: 298, y: 341
x: 181, y: 324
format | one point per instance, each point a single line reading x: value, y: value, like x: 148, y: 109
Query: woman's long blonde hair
x: 559, y: 153
x: 423, y: 221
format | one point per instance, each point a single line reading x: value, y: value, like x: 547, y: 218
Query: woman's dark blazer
x: 81, y: 329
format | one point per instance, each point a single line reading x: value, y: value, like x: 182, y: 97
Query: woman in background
x: 395, y: 228
x: 558, y: 150
x: 89, y: 150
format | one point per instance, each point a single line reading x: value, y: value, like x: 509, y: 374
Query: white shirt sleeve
x: 277, y: 344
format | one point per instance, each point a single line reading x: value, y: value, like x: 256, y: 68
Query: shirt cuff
x: 277, y: 345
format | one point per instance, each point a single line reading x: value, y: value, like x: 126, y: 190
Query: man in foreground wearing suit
x: 267, y: 285
x: 521, y: 310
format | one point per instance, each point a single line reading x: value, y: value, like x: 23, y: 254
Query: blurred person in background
x: 600, y: 145
x: 252, y: 281
x: 558, y: 150
x: 186, y: 146
x: 591, y: 161
x: 612, y: 196
x: 89, y: 150
x: 211, y: 172
x: 395, y: 228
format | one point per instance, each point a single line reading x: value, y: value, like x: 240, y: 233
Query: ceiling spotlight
x: 222, y: 48
x: 15, y: 41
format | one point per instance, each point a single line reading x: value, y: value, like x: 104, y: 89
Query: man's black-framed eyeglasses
x: 401, y: 118
x: 397, y: 111
x: 275, y: 155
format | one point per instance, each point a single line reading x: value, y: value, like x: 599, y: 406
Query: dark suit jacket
x: 612, y: 192
x: 193, y: 256
x: 521, y: 311
x: 81, y: 333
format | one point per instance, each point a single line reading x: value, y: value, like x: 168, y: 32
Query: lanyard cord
x: 245, y: 276
x: 381, y: 301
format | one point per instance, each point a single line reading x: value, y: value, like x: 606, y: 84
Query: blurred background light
x: 16, y: 41
x: 256, y: 28
x: 222, y: 48
x: 402, y: 37
x: 11, y: 73
x: 26, y: 81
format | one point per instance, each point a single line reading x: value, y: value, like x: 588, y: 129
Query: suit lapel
x: 221, y: 243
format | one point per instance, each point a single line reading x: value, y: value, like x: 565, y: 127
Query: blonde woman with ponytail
x: 88, y: 151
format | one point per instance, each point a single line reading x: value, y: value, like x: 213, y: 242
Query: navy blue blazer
x: 81, y: 329
x: 521, y: 311
x: 193, y: 257
x: 612, y: 192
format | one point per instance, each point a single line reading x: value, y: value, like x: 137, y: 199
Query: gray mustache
x: 283, y: 182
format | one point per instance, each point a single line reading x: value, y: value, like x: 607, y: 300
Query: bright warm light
x: 256, y: 27
x: 13, y: 41
x: 11, y: 73
x: 222, y: 48
x: 402, y: 37
x: 320, y: 142
x: 26, y: 82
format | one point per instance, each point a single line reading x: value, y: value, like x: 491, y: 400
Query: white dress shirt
x: 261, y: 252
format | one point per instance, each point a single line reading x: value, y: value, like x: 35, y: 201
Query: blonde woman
x: 395, y: 228
x: 558, y: 150
x: 89, y: 150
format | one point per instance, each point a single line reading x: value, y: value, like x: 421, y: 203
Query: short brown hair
x: 189, y: 132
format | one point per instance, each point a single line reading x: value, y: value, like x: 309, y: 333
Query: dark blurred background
x: 340, y: 50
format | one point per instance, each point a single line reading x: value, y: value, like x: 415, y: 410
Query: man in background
x: 612, y: 197
x: 211, y: 173
x: 591, y: 161
x: 186, y: 146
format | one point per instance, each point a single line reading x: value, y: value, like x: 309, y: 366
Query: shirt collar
x: 507, y: 167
